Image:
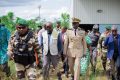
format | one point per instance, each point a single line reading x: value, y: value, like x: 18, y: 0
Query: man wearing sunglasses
x: 21, y: 49
x: 49, y: 42
x: 112, y: 42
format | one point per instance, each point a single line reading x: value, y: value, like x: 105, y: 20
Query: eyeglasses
x: 21, y: 27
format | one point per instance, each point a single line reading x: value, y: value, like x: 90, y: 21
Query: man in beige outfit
x: 75, y: 48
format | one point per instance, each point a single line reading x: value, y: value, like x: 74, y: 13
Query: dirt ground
x: 99, y: 75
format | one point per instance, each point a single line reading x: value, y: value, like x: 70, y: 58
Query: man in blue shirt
x: 112, y: 42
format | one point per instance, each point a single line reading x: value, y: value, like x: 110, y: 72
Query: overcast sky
x: 29, y: 8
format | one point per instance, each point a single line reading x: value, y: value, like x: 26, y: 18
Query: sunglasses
x: 21, y: 27
x: 114, y: 30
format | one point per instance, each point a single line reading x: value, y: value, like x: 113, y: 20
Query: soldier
x: 101, y: 49
x: 94, y: 35
x: 21, y: 49
x: 4, y: 38
x: 74, y: 48
x: 112, y: 42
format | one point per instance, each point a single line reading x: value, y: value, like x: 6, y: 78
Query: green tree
x: 65, y: 20
x: 8, y: 21
x: 32, y: 24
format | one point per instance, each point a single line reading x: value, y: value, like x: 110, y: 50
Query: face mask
x: 49, y: 31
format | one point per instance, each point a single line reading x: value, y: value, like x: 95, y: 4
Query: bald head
x: 114, y: 27
x: 49, y: 27
x: 49, y: 24
x: 114, y: 30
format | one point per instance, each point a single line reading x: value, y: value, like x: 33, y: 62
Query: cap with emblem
x: 76, y: 20
x: 22, y: 22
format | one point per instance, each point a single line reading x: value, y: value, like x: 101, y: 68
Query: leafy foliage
x: 65, y: 20
x: 9, y: 20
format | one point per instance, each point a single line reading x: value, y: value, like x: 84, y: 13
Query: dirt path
x: 100, y: 75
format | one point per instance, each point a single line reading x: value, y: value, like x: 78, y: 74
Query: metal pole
x: 39, y: 12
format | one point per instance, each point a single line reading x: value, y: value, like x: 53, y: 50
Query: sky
x: 28, y: 9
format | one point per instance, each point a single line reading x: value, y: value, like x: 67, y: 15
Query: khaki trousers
x: 74, y: 65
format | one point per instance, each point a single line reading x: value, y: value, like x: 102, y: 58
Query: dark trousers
x: 65, y: 63
x: 114, y: 68
x: 47, y: 60
x: 66, y: 66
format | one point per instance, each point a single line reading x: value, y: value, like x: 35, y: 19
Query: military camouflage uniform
x: 102, y: 49
x: 20, y: 68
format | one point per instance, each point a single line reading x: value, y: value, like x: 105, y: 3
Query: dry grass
x: 100, y: 74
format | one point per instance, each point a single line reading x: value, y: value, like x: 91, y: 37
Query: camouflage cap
x: 108, y: 27
x: 22, y: 22
x: 76, y: 20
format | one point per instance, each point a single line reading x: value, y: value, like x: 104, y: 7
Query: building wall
x: 86, y: 10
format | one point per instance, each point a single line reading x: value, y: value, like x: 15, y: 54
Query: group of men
x: 59, y: 43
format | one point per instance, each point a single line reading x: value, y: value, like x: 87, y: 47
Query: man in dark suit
x: 60, y: 50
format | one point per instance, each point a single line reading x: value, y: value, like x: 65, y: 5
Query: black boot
x: 93, y: 69
x: 8, y: 73
x: 104, y: 66
x: 118, y: 73
x: 59, y: 76
x: 113, y: 77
